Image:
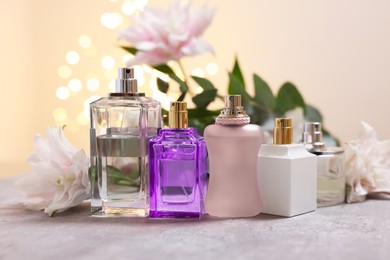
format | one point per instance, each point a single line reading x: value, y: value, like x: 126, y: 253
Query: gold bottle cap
x: 178, y: 115
x: 283, y: 131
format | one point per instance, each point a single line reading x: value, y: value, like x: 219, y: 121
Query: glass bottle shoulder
x: 248, y: 130
x: 127, y: 101
x: 178, y: 136
x: 334, y: 151
x: 287, y: 151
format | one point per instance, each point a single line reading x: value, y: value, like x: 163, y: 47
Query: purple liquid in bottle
x: 178, y: 168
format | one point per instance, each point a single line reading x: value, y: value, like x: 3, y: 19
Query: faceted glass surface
x: 178, y: 173
x: 121, y: 128
x: 330, y: 179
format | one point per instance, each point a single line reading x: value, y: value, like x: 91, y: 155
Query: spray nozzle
x: 126, y: 83
x: 312, y: 135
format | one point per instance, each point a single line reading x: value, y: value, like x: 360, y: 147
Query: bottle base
x: 330, y: 191
x: 233, y: 213
x: 173, y: 214
x: 120, y: 208
x: 327, y: 199
x: 119, y: 212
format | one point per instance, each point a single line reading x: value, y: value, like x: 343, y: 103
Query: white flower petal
x: 367, y: 165
x: 194, y: 47
x: 60, y: 175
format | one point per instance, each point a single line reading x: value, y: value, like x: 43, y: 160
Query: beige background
x: 336, y: 52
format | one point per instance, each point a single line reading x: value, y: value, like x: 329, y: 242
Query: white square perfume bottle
x: 287, y: 174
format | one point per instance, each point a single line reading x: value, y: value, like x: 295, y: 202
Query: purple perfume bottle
x: 178, y: 168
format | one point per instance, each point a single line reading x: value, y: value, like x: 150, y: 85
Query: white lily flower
x: 59, y: 177
x: 367, y: 165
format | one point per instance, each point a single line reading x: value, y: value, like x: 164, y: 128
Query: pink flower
x: 164, y: 35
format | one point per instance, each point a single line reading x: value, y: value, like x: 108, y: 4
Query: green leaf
x: 114, y: 172
x: 129, y: 49
x: 204, y: 83
x: 92, y: 174
x: 165, y: 114
x: 167, y: 70
x: 117, y: 177
x: 263, y: 93
x: 237, y: 72
x: 182, y: 96
x: 288, y: 98
x: 182, y: 85
x: 205, y: 98
x: 164, y: 69
x: 199, y: 113
x: 312, y: 114
x: 237, y: 88
x: 200, y: 118
x: 162, y: 85
x: 133, y: 174
x: 329, y: 139
x: 260, y: 115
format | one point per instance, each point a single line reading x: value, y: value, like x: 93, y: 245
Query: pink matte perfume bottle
x: 233, y: 145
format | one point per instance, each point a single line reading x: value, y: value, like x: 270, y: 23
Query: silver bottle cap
x: 312, y: 134
x: 126, y: 83
x: 233, y: 107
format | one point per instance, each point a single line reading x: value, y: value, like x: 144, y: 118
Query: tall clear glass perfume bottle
x: 286, y: 174
x: 178, y: 168
x: 330, y: 166
x: 121, y: 126
x: 233, y: 145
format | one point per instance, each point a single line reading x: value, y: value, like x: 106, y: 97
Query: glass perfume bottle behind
x: 178, y: 168
x: 121, y: 126
x: 330, y: 166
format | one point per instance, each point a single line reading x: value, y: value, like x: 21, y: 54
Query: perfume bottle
x: 286, y: 174
x: 178, y: 168
x: 233, y: 145
x: 121, y: 126
x: 330, y: 166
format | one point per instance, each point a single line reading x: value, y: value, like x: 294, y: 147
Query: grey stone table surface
x: 354, y: 231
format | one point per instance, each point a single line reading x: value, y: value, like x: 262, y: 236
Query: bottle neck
x: 126, y: 94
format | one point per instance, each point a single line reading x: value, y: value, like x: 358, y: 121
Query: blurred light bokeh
x: 58, y: 56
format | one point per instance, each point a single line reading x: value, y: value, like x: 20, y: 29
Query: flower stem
x: 186, y: 81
